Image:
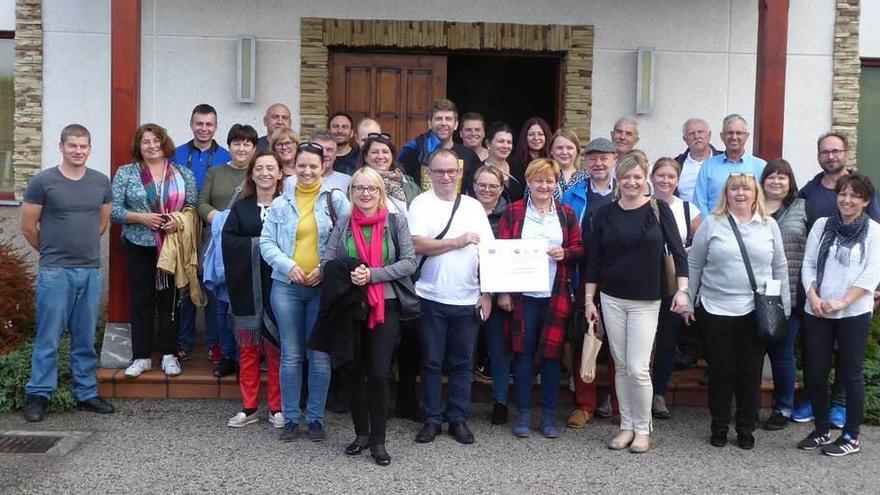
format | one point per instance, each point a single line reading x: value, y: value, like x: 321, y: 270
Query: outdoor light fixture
x: 645, y: 62
x: 246, y: 69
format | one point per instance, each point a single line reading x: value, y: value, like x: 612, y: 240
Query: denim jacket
x: 129, y: 196
x: 278, y: 238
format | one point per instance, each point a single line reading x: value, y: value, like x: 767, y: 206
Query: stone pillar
x: 847, y: 68
x: 28, y: 133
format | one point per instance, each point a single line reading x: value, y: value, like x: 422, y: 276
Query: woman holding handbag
x: 721, y: 290
x: 629, y: 236
x: 537, y: 324
x: 840, y: 273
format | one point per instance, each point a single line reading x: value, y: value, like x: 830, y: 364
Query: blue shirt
x: 714, y: 173
x: 198, y: 161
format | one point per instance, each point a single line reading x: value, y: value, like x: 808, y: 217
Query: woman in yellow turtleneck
x: 295, y: 232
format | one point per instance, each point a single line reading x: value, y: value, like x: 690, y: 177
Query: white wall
x: 705, y: 60
x: 869, y: 29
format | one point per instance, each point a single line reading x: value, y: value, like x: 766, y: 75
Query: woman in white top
x: 720, y: 288
x: 664, y: 177
x: 840, y: 273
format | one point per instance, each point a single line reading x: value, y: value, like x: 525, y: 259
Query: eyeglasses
x: 440, y: 173
x: 286, y: 145
x: 360, y: 189
x: 311, y: 147
x: 736, y: 133
x: 487, y: 187
x: 379, y: 135
x: 831, y: 152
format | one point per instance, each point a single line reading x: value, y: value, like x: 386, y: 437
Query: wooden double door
x: 396, y: 90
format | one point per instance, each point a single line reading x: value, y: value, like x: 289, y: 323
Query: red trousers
x: 249, y: 377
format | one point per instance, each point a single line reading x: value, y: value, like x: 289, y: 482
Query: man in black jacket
x: 696, y: 134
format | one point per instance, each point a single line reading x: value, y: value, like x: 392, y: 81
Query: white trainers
x: 276, y: 420
x: 137, y: 367
x: 242, y: 419
x: 170, y: 365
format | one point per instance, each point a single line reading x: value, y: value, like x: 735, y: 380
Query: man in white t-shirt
x: 449, y: 288
x: 696, y: 134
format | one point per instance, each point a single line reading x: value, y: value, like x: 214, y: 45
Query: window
x: 7, y: 108
x: 869, y: 119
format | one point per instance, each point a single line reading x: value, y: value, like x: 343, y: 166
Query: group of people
x: 328, y: 260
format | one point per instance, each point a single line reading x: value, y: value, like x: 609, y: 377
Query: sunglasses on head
x: 311, y: 147
x: 379, y: 135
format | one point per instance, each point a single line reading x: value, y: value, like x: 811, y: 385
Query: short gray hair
x: 693, y: 120
x: 730, y: 119
x: 322, y: 135
x: 627, y: 120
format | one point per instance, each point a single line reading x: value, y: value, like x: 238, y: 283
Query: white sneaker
x: 137, y: 367
x: 170, y: 365
x: 276, y: 420
x: 242, y: 419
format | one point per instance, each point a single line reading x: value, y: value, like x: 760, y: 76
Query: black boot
x: 35, y: 408
x: 225, y: 368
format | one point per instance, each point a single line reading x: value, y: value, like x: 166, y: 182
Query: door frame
x: 321, y: 35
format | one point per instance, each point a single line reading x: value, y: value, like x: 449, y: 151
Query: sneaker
x: 483, y: 373
x: 548, y: 426
x: 814, y: 440
x: 288, y: 434
x: 170, y: 365
x: 316, y: 432
x: 776, y: 421
x: 499, y: 414
x: 276, y: 419
x: 844, y: 445
x: 837, y: 416
x: 659, y: 409
x: 604, y: 409
x: 183, y: 354
x: 803, y: 413
x: 215, y: 354
x: 137, y: 367
x: 242, y: 419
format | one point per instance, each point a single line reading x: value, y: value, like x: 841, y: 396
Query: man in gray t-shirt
x: 65, y: 211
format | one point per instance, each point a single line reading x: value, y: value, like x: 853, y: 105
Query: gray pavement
x: 174, y: 446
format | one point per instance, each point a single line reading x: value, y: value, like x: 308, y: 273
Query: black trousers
x: 368, y: 376
x: 850, y: 334
x: 736, y: 357
x: 146, y: 300
x: 409, y: 362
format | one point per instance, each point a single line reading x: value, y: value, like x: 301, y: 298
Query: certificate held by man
x: 514, y: 265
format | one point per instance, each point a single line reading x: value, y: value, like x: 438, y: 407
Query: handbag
x: 669, y: 277
x: 589, y: 352
x: 410, y: 304
x: 769, y: 311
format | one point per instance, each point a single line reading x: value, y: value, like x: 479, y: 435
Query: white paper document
x: 514, y: 265
x: 774, y: 288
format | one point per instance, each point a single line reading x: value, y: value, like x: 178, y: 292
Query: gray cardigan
x: 403, y: 265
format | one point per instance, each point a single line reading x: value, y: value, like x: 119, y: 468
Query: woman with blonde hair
x: 565, y: 149
x: 626, y: 262
x: 722, y: 301
x: 284, y: 142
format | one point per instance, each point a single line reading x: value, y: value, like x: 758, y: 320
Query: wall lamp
x: 645, y: 62
x: 246, y: 69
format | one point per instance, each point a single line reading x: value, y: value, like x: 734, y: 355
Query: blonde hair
x: 666, y: 162
x: 737, y: 180
x: 375, y: 179
x: 569, y: 134
x: 541, y: 167
x: 628, y: 163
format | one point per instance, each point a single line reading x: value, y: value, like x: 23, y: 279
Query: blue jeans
x: 784, y: 369
x: 296, y: 309
x: 66, y: 298
x: 534, y: 314
x: 448, y: 334
x: 186, y: 337
x: 499, y: 361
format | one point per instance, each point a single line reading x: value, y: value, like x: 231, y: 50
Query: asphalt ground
x: 177, y: 446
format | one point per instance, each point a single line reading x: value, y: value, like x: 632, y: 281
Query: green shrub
x: 15, y: 369
x: 872, y: 375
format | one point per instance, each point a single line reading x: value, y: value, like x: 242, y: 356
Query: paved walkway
x: 173, y: 446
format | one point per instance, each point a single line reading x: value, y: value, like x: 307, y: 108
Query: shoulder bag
x: 669, y: 276
x: 769, y: 312
x: 410, y: 305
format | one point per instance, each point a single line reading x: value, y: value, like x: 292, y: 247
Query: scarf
x: 168, y: 196
x: 393, y: 180
x: 372, y: 255
x: 846, y: 236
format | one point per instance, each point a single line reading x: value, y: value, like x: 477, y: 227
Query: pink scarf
x: 372, y: 255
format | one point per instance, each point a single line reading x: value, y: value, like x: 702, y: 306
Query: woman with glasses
x: 565, y: 149
x: 722, y: 294
x: 295, y: 232
x: 625, y: 262
x: 840, y: 273
x: 380, y: 154
x: 538, y: 321
x: 379, y: 239
x: 499, y: 142
x: 221, y: 189
x: 284, y: 142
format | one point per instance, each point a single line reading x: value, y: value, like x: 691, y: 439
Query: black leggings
x: 367, y: 377
x: 850, y: 334
x: 145, y: 300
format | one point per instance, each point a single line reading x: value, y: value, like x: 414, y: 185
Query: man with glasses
x: 715, y: 171
x: 446, y: 228
x: 199, y: 154
x: 277, y: 116
x: 342, y: 128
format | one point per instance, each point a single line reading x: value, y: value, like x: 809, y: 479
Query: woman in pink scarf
x: 387, y: 261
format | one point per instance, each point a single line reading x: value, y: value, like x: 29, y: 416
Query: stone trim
x: 319, y: 35
x: 845, y: 79
x: 28, y: 133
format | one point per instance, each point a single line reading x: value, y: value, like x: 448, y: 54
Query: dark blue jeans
x: 448, y: 334
x: 668, y: 327
x: 499, y: 361
x: 186, y: 337
x: 784, y: 368
x: 534, y: 314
